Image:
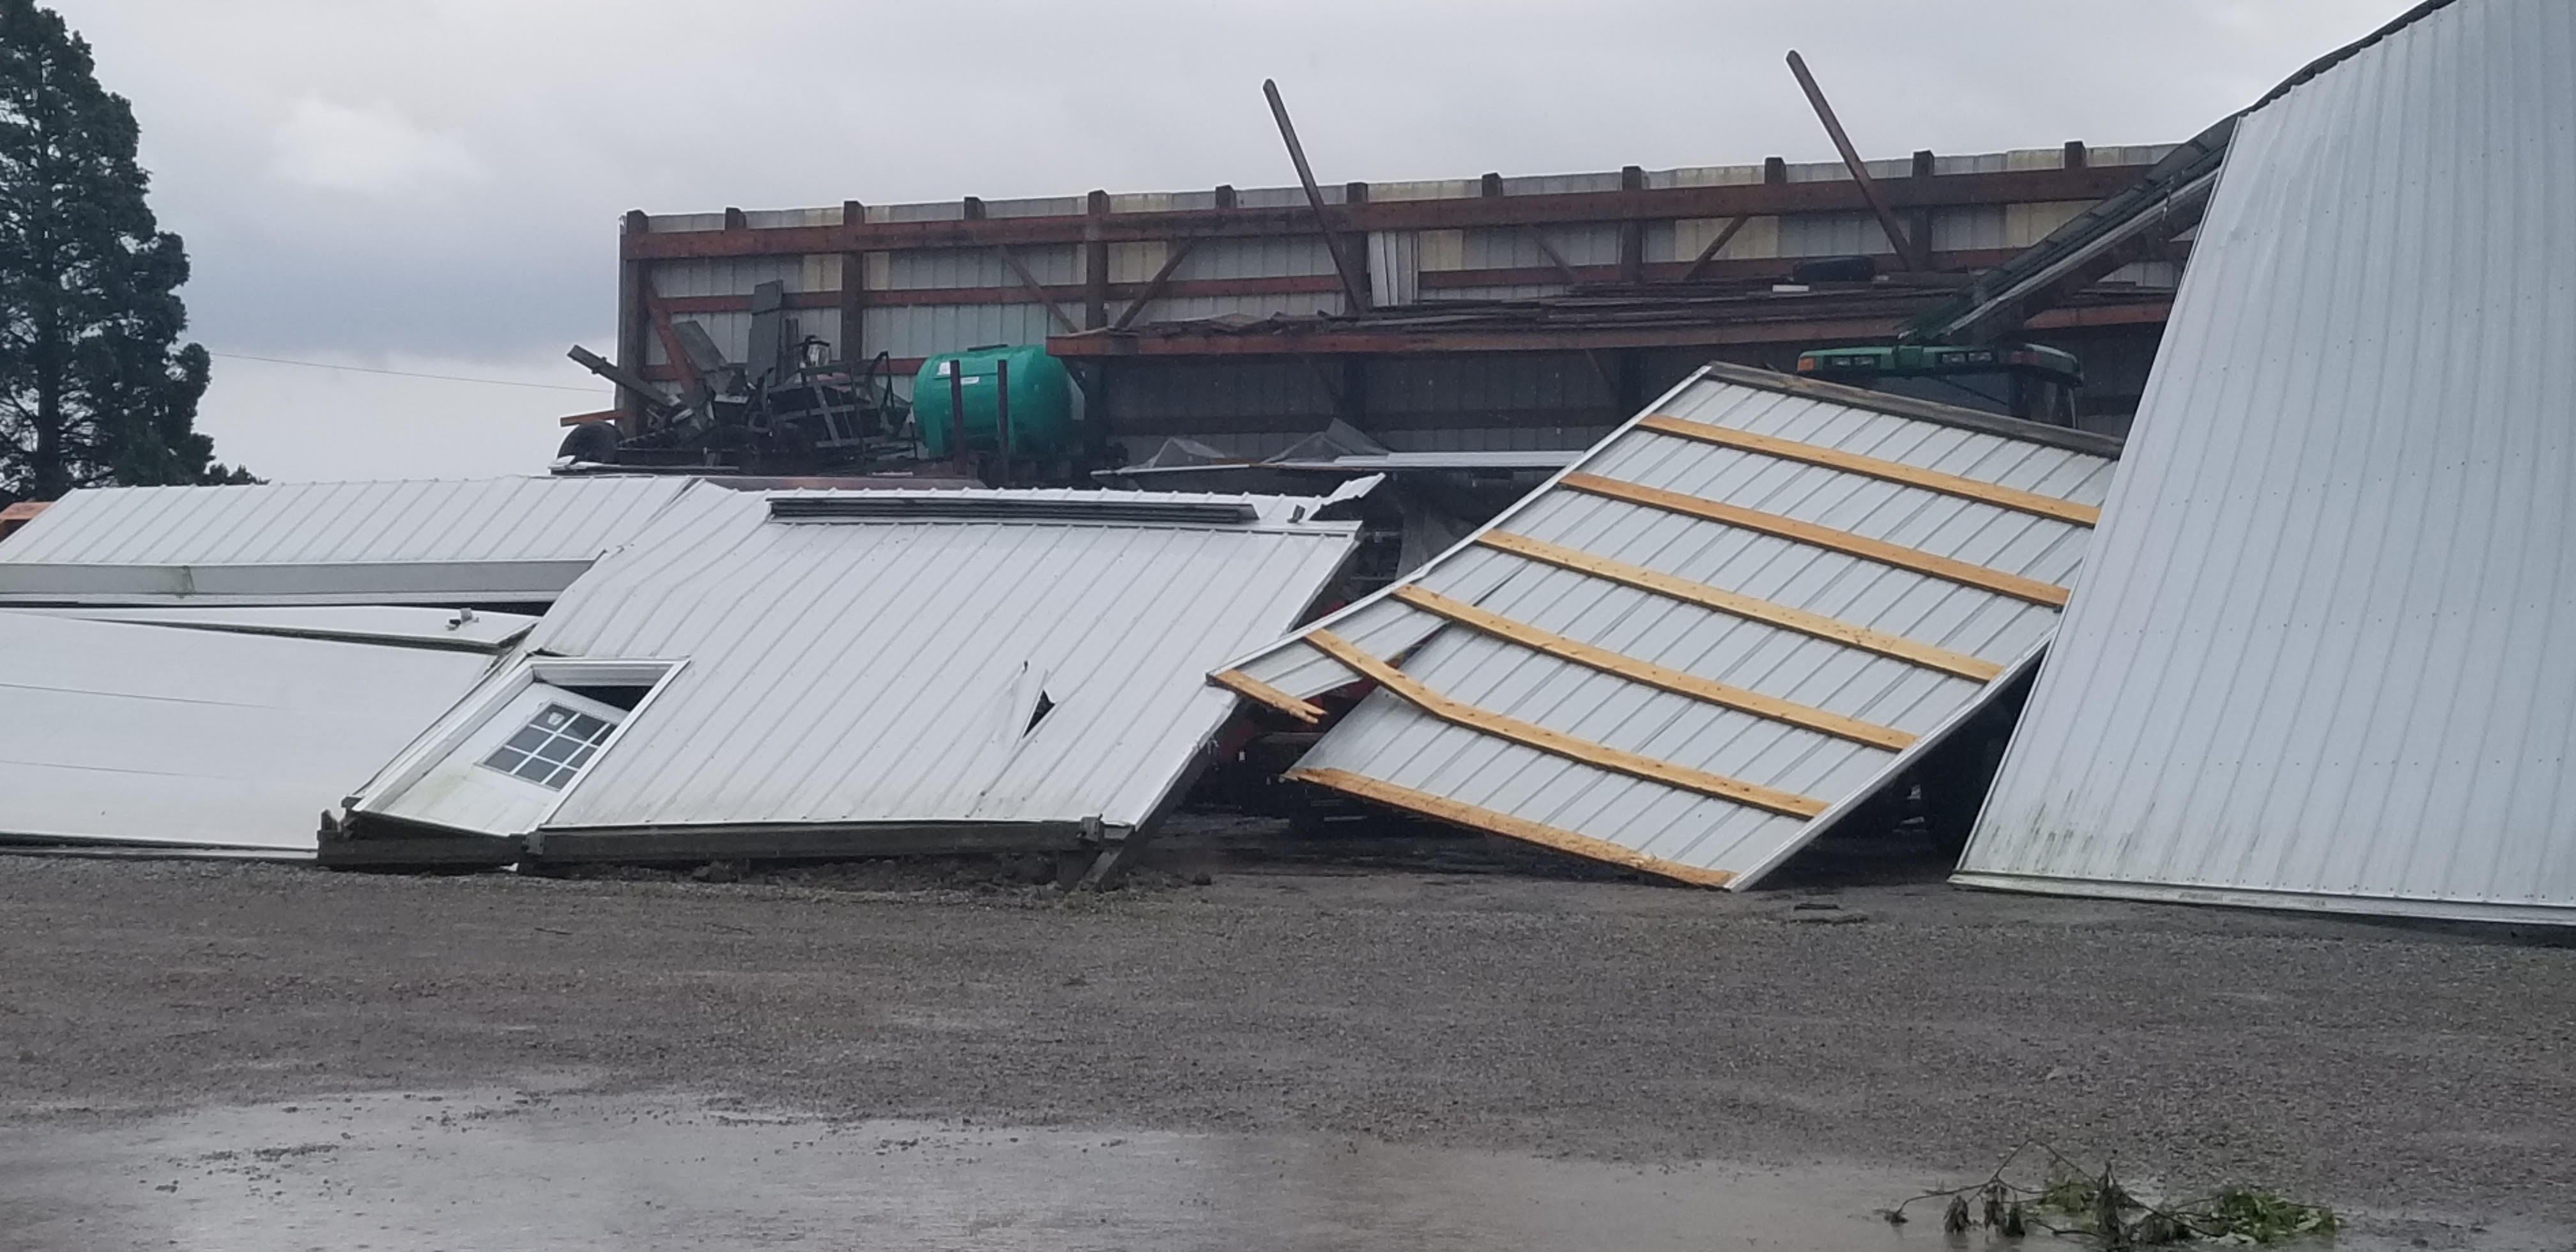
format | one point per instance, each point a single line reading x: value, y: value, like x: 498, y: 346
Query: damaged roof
x: 852, y: 662
x: 1738, y: 616
x: 495, y: 540
x: 204, y: 736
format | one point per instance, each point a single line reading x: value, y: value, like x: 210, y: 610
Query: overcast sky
x: 433, y: 186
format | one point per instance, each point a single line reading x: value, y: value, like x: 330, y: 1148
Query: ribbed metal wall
x: 2321, y: 657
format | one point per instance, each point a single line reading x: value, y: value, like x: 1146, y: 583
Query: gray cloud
x: 439, y: 180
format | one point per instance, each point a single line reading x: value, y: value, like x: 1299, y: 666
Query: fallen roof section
x: 154, y: 736
x: 1738, y: 616
x: 867, y: 673
x: 2319, y: 659
x: 435, y: 542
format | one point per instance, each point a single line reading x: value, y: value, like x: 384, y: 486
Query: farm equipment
x: 789, y: 410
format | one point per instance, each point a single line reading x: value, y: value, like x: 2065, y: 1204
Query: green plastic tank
x: 1046, y: 407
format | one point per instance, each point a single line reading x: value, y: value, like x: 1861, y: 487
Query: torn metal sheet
x: 429, y: 542
x: 2319, y: 660
x: 120, y: 733
x: 1738, y: 616
x: 855, y: 673
x: 464, y: 630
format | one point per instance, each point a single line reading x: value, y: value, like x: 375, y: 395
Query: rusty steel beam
x: 1632, y: 232
x: 1554, y: 257
x: 1869, y: 190
x: 1354, y: 287
x: 1709, y: 253
x: 691, y: 385
x: 634, y: 283
x: 1654, y: 204
x: 1036, y: 288
x: 1312, y: 284
x: 1154, y: 287
x: 1358, y: 341
x: 1095, y: 265
x: 854, y: 290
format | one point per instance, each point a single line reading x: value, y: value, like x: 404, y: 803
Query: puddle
x: 400, y: 1173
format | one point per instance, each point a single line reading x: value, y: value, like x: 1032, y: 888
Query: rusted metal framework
x: 1149, y: 289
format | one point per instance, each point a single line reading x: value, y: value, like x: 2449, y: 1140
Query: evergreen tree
x: 95, y: 387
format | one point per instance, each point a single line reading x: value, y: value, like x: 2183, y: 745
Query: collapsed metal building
x: 1443, y: 315
x: 2318, y: 659
x: 719, y: 672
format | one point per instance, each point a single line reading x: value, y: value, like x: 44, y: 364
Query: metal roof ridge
x: 1924, y: 410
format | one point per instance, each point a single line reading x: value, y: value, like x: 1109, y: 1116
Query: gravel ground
x: 2377, y: 1067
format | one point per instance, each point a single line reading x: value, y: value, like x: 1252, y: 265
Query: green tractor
x: 2024, y: 380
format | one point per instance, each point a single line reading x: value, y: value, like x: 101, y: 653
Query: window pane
x: 552, y: 747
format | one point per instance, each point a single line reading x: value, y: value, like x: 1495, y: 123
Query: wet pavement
x: 503, y: 1169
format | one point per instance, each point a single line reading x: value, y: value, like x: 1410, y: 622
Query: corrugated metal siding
x: 495, y: 521
x: 1428, y: 189
x: 732, y: 276
x: 2320, y: 659
x: 924, y: 329
x: 1832, y: 234
x: 731, y: 333
x: 1191, y: 308
x: 772, y: 219
x: 160, y: 735
x: 1494, y: 248
x: 1509, y: 291
x: 1560, y: 184
x: 1395, y: 267
x: 1705, y: 176
x: 1257, y: 258
x: 910, y: 270
x: 867, y: 671
x: 1677, y: 831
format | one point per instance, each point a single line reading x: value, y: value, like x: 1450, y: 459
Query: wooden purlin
x: 1963, y: 573
x: 1262, y: 693
x: 1874, y: 467
x: 1652, y: 675
x: 1557, y: 743
x: 1473, y: 818
x: 1733, y: 604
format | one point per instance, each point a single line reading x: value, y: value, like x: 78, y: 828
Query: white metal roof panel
x: 861, y: 670
x: 121, y: 733
x: 467, y: 630
x: 425, y: 541
x: 2320, y: 659
x: 1696, y: 682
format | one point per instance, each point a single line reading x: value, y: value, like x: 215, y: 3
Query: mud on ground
x: 1440, y: 996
